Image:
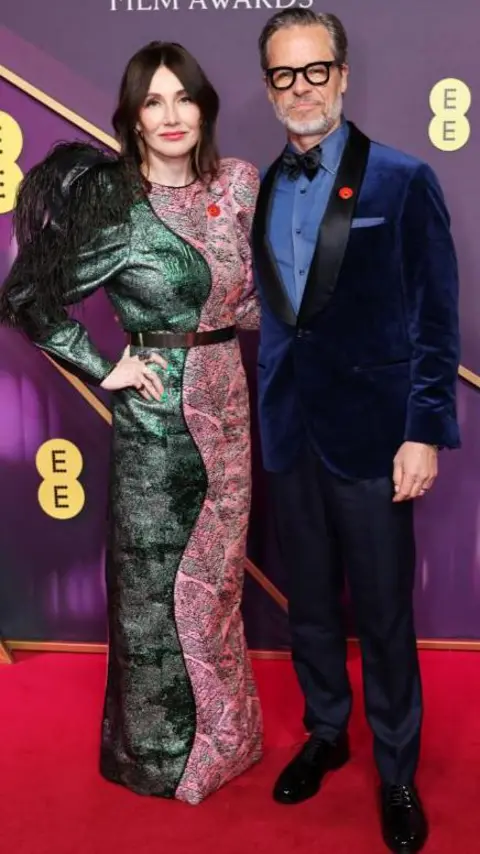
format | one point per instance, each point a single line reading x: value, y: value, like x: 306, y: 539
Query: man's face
x: 305, y: 108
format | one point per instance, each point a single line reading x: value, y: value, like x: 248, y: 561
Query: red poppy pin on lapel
x: 345, y: 193
x: 213, y: 210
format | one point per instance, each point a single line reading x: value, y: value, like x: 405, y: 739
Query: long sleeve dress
x: 181, y: 714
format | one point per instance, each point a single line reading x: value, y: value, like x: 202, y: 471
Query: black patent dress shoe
x: 404, y: 824
x: 302, y: 777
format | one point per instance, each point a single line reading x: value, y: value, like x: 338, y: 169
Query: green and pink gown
x: 182, y: 716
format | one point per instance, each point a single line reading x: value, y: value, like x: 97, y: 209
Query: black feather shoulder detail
x: 63, y: 204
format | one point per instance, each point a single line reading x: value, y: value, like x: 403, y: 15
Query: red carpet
x: 52, y: 800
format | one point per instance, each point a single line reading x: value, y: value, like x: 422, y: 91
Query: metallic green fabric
x: 106, y: 257
x: 154, y: 279
x: 149, y: 723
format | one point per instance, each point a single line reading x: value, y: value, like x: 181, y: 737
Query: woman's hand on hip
x: 133, y: 372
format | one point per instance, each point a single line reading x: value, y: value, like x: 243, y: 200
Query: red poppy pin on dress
x: 213, y: 210
x: 345, y: 192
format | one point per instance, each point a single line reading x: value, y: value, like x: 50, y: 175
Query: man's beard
x: 321, y: 125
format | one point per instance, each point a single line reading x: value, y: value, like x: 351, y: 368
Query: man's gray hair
x: 305, y: 18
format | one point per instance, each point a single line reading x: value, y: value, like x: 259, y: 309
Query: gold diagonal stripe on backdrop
x: 469, y: 376
x: 100, y: 135
x: 56, y: 107
x: 5, y: 657
x: 267, y: 585
x: 84, y: 391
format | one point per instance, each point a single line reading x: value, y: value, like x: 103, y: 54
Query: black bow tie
x: 294, y: 164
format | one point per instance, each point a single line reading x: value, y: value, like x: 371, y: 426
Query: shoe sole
x: 415, y: 850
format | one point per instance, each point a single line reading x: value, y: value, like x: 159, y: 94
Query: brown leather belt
x: 160, y: 340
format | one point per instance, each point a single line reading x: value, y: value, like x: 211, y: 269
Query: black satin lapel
x: 335, y: 228
x: 271, y: 281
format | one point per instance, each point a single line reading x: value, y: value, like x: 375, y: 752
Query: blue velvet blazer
x: 371, y: 359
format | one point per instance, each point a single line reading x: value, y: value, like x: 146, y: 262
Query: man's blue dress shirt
x: 297, y: 211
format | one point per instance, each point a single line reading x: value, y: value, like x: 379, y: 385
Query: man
x: 357, y: 371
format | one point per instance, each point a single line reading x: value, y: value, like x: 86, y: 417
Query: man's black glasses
x: 315, y: 73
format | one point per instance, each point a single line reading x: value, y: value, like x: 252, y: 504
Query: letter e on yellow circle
x: 450, y: 100
x: 59, y: 464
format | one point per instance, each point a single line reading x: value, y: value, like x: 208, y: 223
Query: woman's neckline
x: 173, y: 186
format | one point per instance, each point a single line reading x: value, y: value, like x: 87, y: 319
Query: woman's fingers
x: 157, y: 383
x: 134, y: 371
x: 152, y: 383
x: 142, y: 387
x: 152, y: 358
x: 158, y: 360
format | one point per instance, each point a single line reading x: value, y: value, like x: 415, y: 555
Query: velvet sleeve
x: 431, y: 295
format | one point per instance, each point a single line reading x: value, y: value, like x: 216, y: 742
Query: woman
x: 164, y: 228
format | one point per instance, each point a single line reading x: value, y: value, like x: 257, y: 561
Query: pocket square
x: 366, y: 221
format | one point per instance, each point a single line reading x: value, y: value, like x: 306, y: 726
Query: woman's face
x: 169, y: 122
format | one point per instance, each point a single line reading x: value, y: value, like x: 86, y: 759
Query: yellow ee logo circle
x: 450, y: 101
x: 11, y: 144
x: 59, y: 464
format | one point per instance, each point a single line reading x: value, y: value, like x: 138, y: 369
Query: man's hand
x: 415, y: 468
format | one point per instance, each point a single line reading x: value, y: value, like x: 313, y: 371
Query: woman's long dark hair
x: 134, y: 89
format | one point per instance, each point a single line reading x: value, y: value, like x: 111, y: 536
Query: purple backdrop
x: 51, y: 585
